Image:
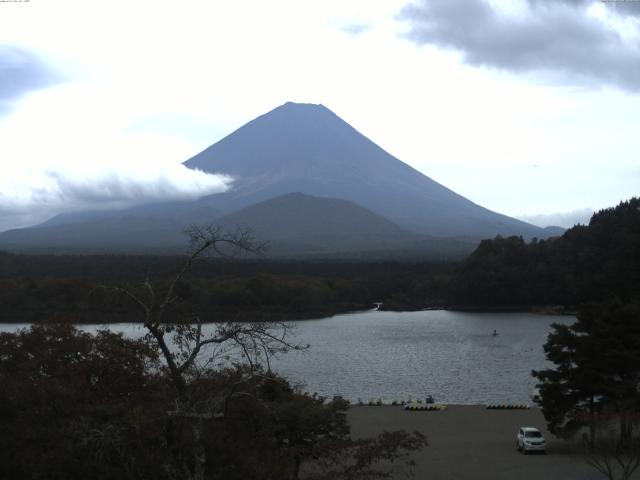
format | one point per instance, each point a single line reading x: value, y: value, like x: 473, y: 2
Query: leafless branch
x: 184, y: 348
x: 612, y: 456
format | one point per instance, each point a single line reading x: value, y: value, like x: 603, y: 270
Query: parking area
x: 471, y: 442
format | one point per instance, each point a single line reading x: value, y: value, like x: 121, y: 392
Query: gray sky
x: 527, y: 107
x: 21, y: 71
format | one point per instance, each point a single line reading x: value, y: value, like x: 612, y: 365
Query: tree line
x: 68, y: 288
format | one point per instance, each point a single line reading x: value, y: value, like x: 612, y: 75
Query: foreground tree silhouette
x: 76, y: 405
x: 179, y: 336
x: 195, y: 359
x: 597, y: 370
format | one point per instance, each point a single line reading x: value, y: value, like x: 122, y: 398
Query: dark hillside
x: 588, y: 263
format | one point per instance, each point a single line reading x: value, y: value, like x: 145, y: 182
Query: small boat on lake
x: 535, y: 395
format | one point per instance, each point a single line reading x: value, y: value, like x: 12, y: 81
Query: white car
x: 530, y: 440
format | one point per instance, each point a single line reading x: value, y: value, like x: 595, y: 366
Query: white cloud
x: 60, y: 156
x: 35, y: 197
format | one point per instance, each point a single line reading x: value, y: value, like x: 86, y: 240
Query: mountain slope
x: 182, y: 212
x: 154, y: 228
x: 301, y: 217
x: 307, y: 148
x: 121, y: 233
x: 293, y: 225
x: 300, y: 225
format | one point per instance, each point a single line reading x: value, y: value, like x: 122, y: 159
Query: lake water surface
x: 407, y: 355
x: 400, y: 355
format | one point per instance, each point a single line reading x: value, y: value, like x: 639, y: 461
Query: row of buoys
x: 422, y: 407
x: 507, y: 406
x: 380, y: 403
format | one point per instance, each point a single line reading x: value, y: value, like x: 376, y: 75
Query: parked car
x: 530, y: 440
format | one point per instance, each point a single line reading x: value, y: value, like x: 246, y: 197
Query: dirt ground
x: 471, y: 442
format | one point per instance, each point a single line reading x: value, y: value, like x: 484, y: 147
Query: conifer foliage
x: 596, y: 373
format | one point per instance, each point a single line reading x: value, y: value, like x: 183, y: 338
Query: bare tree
x: 614, y: 461
x: 188, y: 349
x: 196, y: 357
x: 615, y: 453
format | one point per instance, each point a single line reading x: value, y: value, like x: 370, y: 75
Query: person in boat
x: 495, y: 333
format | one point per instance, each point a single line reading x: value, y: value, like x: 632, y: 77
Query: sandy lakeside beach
x: 470, y: 442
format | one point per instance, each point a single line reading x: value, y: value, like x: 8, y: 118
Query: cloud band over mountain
x: 57, y: 191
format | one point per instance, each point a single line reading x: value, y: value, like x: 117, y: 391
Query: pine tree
x: 597, y: 370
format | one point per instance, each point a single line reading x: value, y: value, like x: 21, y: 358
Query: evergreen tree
x: 597, y: 370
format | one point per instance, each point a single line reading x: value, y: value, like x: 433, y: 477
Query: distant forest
x: 48, y: 288
x: 588, y: 263
x: 596, y: 262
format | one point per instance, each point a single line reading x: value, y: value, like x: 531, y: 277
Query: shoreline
x: 303, y: 317
x: 534, y: 309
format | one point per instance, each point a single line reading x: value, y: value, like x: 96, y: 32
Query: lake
x: 408, y: 355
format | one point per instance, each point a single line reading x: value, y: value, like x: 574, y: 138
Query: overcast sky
x: 527, y: 107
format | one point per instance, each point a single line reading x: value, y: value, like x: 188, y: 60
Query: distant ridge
x: 297, y: 216
x: 300, y: 225
x: 293, y: 225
